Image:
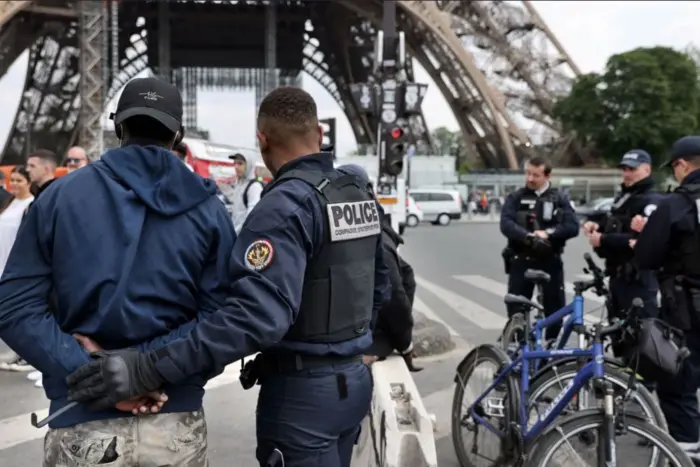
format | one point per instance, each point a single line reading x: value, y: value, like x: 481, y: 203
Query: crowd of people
x: 157, y: 287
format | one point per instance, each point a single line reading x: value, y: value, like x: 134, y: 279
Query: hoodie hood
x: 158, y: 178
x: 249, y: 168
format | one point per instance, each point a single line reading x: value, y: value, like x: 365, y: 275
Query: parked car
x: 439, y: 206
x: 595, y: 211
x: 414, y: 215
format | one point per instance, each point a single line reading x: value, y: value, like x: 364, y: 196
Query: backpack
x: 245, y: 192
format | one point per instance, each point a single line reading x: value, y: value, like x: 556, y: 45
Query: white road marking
x: 420, y: 306
x: 469, y: 310
x: 500, y: 289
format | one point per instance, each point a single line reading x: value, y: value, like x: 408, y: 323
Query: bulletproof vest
x: 538, y: 212
x: 621, y: 213
x: 338, y: 292
x: 684, y: 259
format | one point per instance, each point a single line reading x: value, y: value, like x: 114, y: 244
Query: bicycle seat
x: 511, y: 299
x: 537, y: 276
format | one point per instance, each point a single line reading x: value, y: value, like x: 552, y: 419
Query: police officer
x: 670, y: 244
x: 537, y: 221
x: 308, y: 275
x: 611, y: 240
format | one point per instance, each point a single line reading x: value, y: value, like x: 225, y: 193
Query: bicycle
x: 517, y: 440
x: 556, y: 374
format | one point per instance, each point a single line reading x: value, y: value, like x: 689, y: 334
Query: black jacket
x: 394, y: 327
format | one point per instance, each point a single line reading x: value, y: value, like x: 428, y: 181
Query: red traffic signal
x: 396, y: 133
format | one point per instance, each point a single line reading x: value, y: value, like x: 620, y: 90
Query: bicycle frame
x: 574, y: 312
x: 594, y: 369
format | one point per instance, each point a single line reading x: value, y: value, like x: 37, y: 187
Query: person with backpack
x: 246, y: 191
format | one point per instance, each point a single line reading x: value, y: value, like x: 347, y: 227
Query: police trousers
x: 623, y: 291
x: 162, y: 440
x: 554, y: 296
x: 312, y: 418
x: 678, y: 396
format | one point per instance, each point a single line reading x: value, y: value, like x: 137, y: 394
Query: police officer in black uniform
x: 611, y: 240
x: 670, y: 243
x: 537, y: 220
x: 308, y: 278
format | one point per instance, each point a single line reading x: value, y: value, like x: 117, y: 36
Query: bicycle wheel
x: 578, y: 435
x: 549, y: 383
x: 514, y: 334
x: 499, y: 408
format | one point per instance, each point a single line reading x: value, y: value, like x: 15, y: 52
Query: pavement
x: 461, y: 283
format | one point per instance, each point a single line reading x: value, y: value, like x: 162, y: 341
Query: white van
x: 414, y: 215
x: 439, y: 206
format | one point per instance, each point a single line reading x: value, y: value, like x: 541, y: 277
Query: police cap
x: 635, y: 158
x: 687, y: 146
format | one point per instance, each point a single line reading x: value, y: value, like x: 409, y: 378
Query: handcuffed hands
x: 151, y: 403
x: 116, y: 379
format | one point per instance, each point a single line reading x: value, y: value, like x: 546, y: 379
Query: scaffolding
x: 92, y: 77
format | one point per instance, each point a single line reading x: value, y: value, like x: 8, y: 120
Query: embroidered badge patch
x: 259, y: 255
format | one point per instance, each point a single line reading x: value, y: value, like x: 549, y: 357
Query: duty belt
x: 284, y: 364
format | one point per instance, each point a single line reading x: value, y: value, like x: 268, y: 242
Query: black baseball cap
x: 237, y: 156
x: 635, y: 158
x: 150, y: 97
x: 687, y: 146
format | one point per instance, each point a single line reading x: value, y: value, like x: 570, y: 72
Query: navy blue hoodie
x: 131, y: 251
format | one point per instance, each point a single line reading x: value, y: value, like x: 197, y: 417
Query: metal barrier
x: 398, y: 432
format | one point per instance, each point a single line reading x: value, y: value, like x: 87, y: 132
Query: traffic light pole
x: 393, y: 99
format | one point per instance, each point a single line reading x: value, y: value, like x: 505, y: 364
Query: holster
x: 507, y: 255
x: 675, y: 304
x: 251, y: 372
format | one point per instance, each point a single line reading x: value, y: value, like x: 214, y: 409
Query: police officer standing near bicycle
x: 537, y: 220
x: 669, y: 243
x: 611, y: 240
x: 308, y: 276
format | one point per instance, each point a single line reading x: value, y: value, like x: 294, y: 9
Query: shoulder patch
x: 258, y: 255
x: 350, y: 221
x: 649, y: 209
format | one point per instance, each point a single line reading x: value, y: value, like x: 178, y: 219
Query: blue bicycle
x: 503, y: 410
x: 547, y: 377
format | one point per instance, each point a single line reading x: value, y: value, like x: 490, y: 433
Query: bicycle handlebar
x: 598, y: 281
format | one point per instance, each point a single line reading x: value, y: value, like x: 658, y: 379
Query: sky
x: 590, y: 31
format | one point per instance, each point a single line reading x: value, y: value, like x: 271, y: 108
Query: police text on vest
x: 348, y: 221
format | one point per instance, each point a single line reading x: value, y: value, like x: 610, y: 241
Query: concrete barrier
x: 398, y: 432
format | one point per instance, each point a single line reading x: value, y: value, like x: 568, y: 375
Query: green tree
x: 645, y: 98
x: 444, y: 140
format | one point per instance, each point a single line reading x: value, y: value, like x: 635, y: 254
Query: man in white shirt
x: 246, y: 191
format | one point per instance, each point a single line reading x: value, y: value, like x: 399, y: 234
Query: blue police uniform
x: 628, y: 282
x: 308, y: 277
x: 524, y: 212
x: 670, y: 244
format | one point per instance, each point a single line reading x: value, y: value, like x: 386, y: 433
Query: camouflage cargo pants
x: 163, y: 440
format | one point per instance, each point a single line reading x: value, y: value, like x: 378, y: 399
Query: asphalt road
x: 461, y: 282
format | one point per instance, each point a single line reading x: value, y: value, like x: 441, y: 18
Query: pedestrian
x: 246, y: 190
x: 127, y: 252
x: 611, y: 240
x: 5, y: 196
x: 537, y: 221
x: 76, y: 158
x: 41, y: 167
x: 309, y: 276
x: 669, y: 243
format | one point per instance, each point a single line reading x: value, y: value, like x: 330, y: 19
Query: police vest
x: 537, y: 212
x: 684, y: 258
x: 338, y: 293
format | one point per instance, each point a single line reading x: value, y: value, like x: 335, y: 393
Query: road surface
x: 460, y: 282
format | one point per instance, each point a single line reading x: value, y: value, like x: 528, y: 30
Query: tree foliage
x: 645, y: 98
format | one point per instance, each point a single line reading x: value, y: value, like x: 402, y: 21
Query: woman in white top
x: 10, y: 219
x: 11, y: 216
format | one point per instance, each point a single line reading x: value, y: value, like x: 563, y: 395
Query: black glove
x: 408, y: 355
x: 114, y: 376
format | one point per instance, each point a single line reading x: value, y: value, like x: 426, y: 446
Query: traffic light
x: 395, y: 150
